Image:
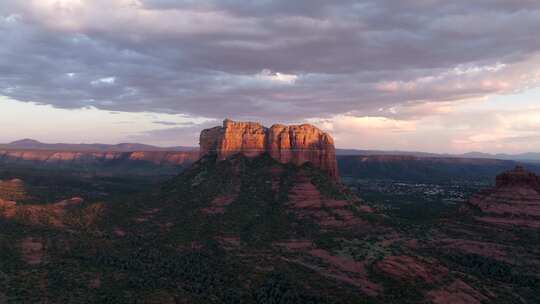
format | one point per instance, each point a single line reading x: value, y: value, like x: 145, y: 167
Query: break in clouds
x: 268, y: 60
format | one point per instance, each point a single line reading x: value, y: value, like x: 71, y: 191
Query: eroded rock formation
x: 296, y: 144
x: 515, y: 200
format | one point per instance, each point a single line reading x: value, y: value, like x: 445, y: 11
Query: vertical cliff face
x: 295, y: 144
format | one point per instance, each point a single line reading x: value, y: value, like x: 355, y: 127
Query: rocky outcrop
x: 515, y: 200
x: 307, y: 202
x: 296, y: 144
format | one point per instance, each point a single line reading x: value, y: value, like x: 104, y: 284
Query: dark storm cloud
x: 285, y: 60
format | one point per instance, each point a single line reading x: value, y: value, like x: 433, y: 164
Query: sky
x: 417, y: 75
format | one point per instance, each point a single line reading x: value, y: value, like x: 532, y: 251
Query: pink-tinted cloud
x: 241, y: 59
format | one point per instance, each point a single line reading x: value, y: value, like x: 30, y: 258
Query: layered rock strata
x: 296, y: 144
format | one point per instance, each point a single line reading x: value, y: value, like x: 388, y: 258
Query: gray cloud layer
x: 282, y: 59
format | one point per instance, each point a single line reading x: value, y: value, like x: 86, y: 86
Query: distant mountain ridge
x: 409, y: 168
x: 529, y: 156
x: 31, y: 144
x: 358, y: 152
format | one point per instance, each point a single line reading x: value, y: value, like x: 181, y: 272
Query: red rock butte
x: 515, y: 200
x: 296, y: 144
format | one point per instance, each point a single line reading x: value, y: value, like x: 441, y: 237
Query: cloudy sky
x: 430, y: 75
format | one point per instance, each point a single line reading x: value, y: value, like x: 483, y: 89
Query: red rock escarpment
x: 296, y: 144
x: 75, y: 157
x: 515, y: 200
